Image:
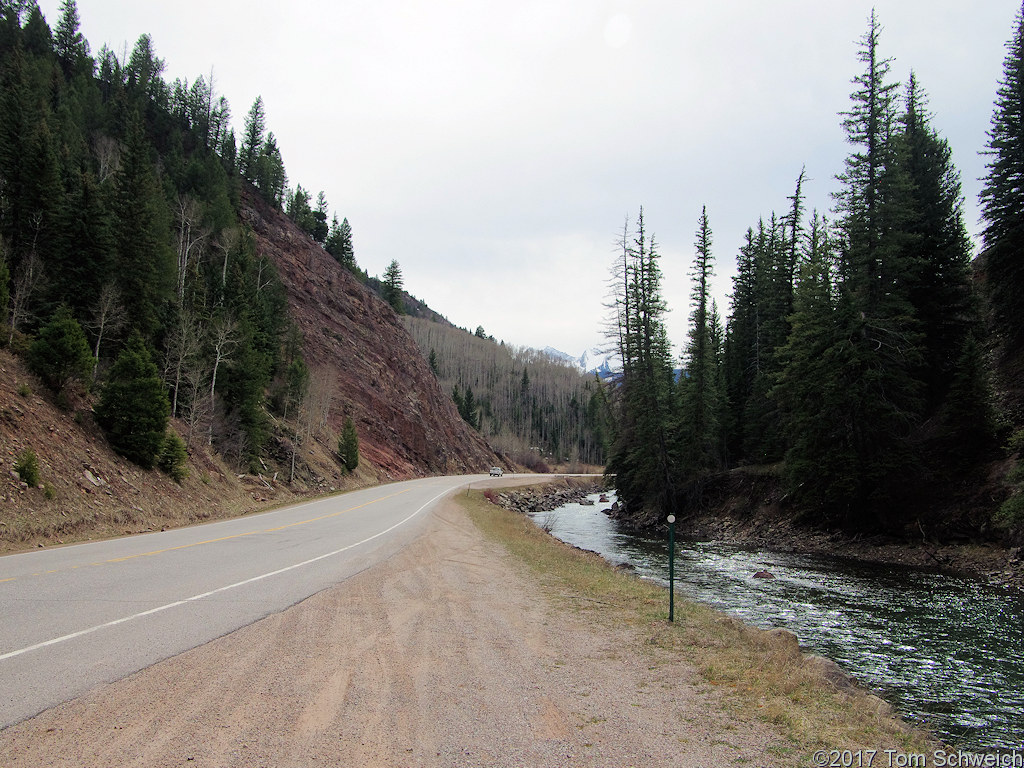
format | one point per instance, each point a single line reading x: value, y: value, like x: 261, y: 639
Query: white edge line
x: 176, y: 603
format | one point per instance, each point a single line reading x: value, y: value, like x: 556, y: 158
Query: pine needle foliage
x: 134, y: 409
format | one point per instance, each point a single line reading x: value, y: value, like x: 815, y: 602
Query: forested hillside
x: 527, y: 405
x: 142, y: 251
x: 855, y: 361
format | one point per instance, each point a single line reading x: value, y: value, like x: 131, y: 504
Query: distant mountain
x: 557, y: 354
x: 589, y: 362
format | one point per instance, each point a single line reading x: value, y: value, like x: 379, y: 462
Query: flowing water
x: 946, y: 651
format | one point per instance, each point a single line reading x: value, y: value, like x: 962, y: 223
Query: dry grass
x: 758, y: 674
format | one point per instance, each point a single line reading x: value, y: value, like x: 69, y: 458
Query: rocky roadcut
x: 447, y: 654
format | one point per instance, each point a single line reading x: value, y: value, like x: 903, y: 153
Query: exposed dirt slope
x: 88, y: 491
x: 407, y: 425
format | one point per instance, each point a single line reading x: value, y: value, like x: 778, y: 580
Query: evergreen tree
x: 817, y: 415
x: 17, y: 118
x: 270, y: 177
x: 36, y: 33
x: 740, y: 350
x: 61, y: 354
x: 144, y: 87
x: 348, y: 445
x: 881, y: 353
x: 30, y: 189
x: 133, y: 409
x: 759, y: 326
x: 700, y: 396
x: 296, y: 384
x: 468, y: 407
x: 640, y: 451
x: 143, y: 260
x: 69, y: 44
x: 1002, y: 197
x: 220, y: 124
x: 457, y: 399
x: 298, y: 209
x: 42, y: 192
x: 339, y: 244
x: 252, y: 141
x: 320, y: 230
x: 82, y: 262
x: 347, y: 255
x: 173, y: 458
x: 868, y: 199
x: 941, y: 287
x: 229, y: 152
x: 967, y: 410
x: 393, y: 286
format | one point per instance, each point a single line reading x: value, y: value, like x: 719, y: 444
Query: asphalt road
x: 74, y: 617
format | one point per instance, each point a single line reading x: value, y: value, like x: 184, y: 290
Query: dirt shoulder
x: 450, y: 653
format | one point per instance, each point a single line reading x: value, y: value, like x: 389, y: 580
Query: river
x: 944, y: 650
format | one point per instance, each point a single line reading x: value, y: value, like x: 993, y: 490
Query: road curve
x: 74, y: 617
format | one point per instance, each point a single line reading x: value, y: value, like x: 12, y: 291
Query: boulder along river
x: 944, y: 650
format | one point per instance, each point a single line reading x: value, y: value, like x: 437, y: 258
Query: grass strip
x: 758, y: 673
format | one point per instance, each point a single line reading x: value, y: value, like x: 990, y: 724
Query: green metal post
x: 671, y: 567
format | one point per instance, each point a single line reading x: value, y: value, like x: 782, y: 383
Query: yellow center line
x: 250, y: 533
x: 226, y: 538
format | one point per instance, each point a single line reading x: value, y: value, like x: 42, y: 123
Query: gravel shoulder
x: 448, y: 654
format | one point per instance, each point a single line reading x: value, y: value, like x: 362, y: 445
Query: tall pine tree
x: 699, y: 435
x: 1002, y: 197
x: 941, y: 291
x: 640, y: 454
x: 143, y: 258
x: 880, y: 357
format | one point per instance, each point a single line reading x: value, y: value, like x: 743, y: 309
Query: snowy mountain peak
x: 588, y: 362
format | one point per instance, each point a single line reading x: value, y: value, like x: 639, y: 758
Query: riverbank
x: 747, y: 507
x: 756, y: 675
x: 999, y: 566
x: 941, y: 648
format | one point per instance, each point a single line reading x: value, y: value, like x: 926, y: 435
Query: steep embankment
x: 407, y: 425
x: 88, y: 491
x: 353, y: 342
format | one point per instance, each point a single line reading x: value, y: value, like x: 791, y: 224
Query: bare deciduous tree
x: 28, y: 279
x: 263, y: 265
x: 322, y: 385
x: 191, y: 235
x: 108, y: 316
x: 184, y: 344
x: 108, y: 156
x: 224, y: 337
x: 196, y: 408
x: 225, y: 242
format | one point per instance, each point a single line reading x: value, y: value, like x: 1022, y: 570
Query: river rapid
x: 945, y: 650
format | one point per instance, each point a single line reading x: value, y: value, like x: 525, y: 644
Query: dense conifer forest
x: 856, y: 359
x: 124, y: 268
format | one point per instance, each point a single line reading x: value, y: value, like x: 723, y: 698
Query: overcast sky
x: 495, y: 149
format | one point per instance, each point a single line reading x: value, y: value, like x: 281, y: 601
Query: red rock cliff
x: 407, y: 425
